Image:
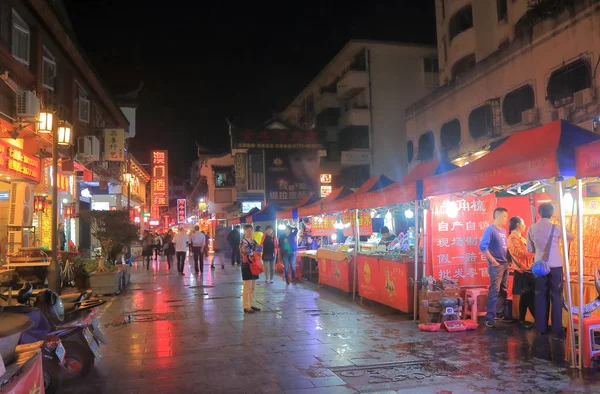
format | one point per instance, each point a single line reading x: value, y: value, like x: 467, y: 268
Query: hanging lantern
x: 69, y: 211
x: 45, y: 125
x: 39, y: 204
x: 64, y: 134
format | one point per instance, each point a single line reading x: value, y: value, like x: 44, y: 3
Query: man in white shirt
x: 548, y: 289
x: 198, y: 242
x: 181, y: 241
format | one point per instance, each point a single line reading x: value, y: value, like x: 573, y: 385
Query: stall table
x: 307, y: 257
x: 386, y: 281
x: 336, y: 269
x: 25, y: 373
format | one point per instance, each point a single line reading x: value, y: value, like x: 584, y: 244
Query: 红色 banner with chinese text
x: 457, y: 227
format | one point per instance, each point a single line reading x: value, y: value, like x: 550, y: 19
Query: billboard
x: 291, y: 175
x: 276, y: 138
x: 114, y: 144
x: 159, y: 183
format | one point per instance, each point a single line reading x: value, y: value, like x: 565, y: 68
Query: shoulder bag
x: 541, y: 267
x: 255, y: 262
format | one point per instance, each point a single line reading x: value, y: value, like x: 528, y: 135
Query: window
x: 83, y: 105
x: 354, y: 137
x: 98, y: 117
x: 463, y: 65
x: 450, y: 135
x: 426, y: 146
x: 568, y: 80
x: 502, y: 10
x: 410, y: 151
x: 224, y: 176
x: 431, y: 70
x: 515, y: 102
x: 48, y: 69
x: 461, y: 21
x: 481, y: 121
x: 20, y: 38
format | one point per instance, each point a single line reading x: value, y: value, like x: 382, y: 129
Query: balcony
x: 327, y: 100
x: 354, y: 137
x: 356, y: 116
x: 352, y: 83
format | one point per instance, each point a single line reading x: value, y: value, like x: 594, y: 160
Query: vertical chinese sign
x: 457, y: 226
x: 114, y: 144
x: 181, y: 210
x: 159, y: 186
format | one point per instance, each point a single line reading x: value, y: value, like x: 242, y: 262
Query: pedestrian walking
x: 181, y: 241
x: 247, y: 250
x: 543, y: 239
x: 198, y: 241
x: 523, y: 279
x: 234, y: 238
x: 270, y: 246
x: 205, y: 251
x: 147, y: 247
x: 157, y: 245
x: 169, y: 247
x: 494, y: 246
x: 288, y: 246
x: 61, y: 236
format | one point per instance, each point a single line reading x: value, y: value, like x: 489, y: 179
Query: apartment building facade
x: 356, y: 99
x: 506, y: 65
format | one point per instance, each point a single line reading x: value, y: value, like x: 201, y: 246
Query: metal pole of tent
x: 580, y: 265
x: 416, y: 283
x: 425, y: 235
x: 356, y: 247
x: 571, y: 332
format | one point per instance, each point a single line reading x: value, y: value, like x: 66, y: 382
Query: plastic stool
x: 590, y: 348
x: 472, y: 296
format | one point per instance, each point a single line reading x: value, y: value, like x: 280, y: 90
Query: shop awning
x: 408, y: 189
x: 292, y: 213
x: 350, y: 201
x: 540, y: 153
x: 317, y: 207
x: 587, y: 160
x: 247, y: 217
x: 267, y: 214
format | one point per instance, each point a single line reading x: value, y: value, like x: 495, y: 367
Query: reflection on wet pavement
x: 174, y: 334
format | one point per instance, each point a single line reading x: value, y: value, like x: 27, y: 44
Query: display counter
x: 386, y: 280
x: 336, y: 269
x: 308, y: 264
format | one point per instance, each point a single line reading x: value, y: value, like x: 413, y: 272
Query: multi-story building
x: 43, y: 71
x: 219, y: 175
x: 357, y: 98
x: 506, y: 66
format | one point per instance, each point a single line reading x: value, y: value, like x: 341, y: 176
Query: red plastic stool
x: 472, y: 302
x: 590, y: 348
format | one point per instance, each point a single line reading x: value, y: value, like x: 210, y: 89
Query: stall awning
x: 247, y: 217
x: 292, y: 213
x: 317, y: 207
x: 587, y: 160
x: 267, y: 214
x: 350, y: 201
x: 406, y: 190
x: 540, y: 153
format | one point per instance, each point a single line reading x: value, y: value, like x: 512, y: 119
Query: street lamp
x: 64, y: 134
x: 45, y: 125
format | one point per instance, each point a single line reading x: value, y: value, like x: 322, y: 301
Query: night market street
x: 187, y: 336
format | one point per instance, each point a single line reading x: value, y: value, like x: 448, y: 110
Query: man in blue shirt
x: 493, y: 245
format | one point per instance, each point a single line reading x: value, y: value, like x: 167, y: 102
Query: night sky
x: 242, y: 61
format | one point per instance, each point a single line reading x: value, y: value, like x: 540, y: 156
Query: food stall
x: 264, y: 217
x: 245, y: 218
x: 521, y: 165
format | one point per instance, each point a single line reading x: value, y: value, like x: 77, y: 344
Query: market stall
x: 266, y: 216
x: 245, y: 218
x: 526, y: 162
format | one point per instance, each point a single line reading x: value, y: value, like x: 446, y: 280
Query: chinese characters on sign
x: 457, y: 227
x: 275, y: 139
x: 114, y: 144
x: 325, y: 190
x: 159, y: 184
x: 14, y: 161
x: 325, y: 178
x: 181, y: 214
x: 291, y: 175
x: 323, y: 226
x: 364, y: 223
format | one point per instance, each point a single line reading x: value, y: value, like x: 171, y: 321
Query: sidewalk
x: 191, y: 336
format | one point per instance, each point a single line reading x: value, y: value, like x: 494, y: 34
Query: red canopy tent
x: 587, y: 160
x: 317, y: 207
x: 540, y: 153
x: 292, y: 213
x: 349, y: 202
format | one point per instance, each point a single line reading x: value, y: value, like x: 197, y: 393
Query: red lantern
x: 39, y: 204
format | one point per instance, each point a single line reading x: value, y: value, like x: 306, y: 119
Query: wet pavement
x: 174, y: 334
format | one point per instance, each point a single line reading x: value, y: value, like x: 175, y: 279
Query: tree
x: 113, y: 230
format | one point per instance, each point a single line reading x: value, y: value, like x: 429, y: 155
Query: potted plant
x: 114, y: 232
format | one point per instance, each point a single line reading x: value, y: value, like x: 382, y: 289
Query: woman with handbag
x: 249, y: 250
x: 524, y: 281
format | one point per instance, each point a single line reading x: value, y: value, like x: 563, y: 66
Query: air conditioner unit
x: 529, y: 116
x: 21, y: 204
x: 583, y: 97
x: 18, y: 239
x: 88, y: 148
x: 28, y: 105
